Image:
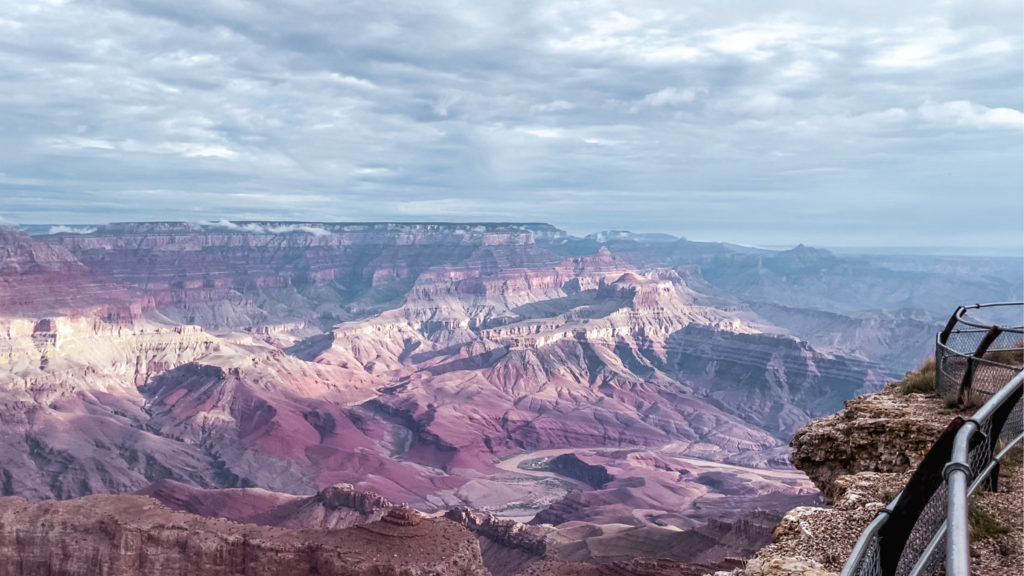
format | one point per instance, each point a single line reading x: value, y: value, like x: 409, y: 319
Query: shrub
x: 921, y: 380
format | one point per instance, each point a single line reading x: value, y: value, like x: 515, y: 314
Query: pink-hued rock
x: 338, y: 506
x: 129, y: 535
x: 401, y: 359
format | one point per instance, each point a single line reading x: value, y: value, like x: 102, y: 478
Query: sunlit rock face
x: 249, y: 368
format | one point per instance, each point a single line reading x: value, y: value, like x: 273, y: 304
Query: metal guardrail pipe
x: 958, y: 544
x: 958, y: 478
x: 959, y: 315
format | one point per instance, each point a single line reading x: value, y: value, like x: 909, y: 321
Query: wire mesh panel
x: 870, y: 564
x: 950, y: 367
x: 965, y: 341
x: 981, y: 453
x: 928, y: 523
x: 1014, y: 423
x: 936, y: 564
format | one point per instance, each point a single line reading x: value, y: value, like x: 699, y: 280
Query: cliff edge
x: 860, y: 458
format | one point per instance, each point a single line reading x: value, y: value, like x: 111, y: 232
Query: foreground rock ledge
x: 884, y: 432
x: 130, y: 535
x: 859, y: 458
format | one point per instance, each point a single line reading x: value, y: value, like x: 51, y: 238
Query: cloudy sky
x: 768, y: 123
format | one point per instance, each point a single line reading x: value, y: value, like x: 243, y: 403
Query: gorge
x: 310, y: 376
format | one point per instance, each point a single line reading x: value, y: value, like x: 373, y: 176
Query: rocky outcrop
x: 508, y: 547
x: 571, y: 466
x: 784, y: 567
x: 860, y: 458
x: 346, y: 496
x: 886, y: 432
x: 338, y: 506
x: 637, y: 567
x: 129, y: 535
x: 508, y: 533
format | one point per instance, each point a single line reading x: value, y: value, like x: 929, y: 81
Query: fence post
x: 983, y: 346
x: 944, y: 335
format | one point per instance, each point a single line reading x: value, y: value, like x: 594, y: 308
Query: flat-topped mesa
x: 317, y: 240
x: 224, y: 274
x: 510, y: 276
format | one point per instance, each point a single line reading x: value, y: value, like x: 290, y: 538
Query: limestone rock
x: 884, y: 432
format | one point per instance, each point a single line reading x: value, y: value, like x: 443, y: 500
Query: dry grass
x: 1012, y: 357
x: 983, y: 524
x: 1011, y: 463
x: 921, y: 380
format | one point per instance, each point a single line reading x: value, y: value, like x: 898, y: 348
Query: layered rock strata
x: 129, y: 535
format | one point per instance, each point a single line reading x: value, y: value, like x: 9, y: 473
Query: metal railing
x: 909, y: 536
x: 974, y: 359
x: 974, y: 461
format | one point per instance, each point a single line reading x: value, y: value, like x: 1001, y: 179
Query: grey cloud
x: 644, y: 115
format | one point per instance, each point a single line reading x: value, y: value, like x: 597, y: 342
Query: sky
x: 840, y: 123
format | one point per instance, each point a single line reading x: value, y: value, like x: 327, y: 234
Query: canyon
x: 627, y: 396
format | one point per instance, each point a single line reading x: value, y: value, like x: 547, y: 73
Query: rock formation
x: 129, y: 535
x: 280, y: 373
x: 338, y: 506
x: 570, y: 465
x: 861, y: 458
x: 885, y: 432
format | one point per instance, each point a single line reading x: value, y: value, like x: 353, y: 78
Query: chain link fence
x: 974, y: 360
x: 976, y: 365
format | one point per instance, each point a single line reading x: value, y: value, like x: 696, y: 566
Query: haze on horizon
x: 856, y: 124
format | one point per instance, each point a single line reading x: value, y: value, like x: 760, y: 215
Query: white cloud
x: 72, y: 229
x: 444, y: 103
x: 266, y: 228
x: 762, y: 103
x: 670, y: 97
x: 201, y: 151
x: 918, y: 54
x: 79, y: 143
x: 962, y: 113
x: 555, y: 106
x: 546, y: 133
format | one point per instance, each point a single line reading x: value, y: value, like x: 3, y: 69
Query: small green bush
x: 921, y: 380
